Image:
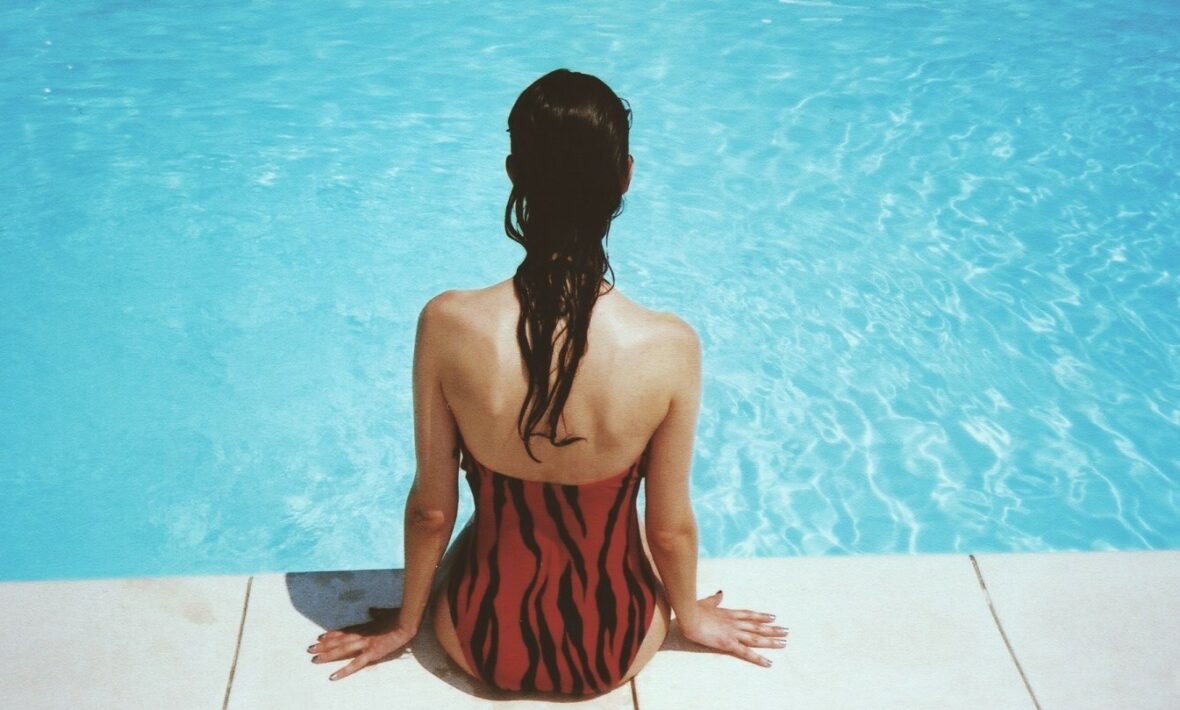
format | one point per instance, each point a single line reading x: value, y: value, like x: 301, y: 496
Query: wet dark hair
x: 569, y: 160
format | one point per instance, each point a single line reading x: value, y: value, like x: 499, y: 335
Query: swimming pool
x: 931, y: 250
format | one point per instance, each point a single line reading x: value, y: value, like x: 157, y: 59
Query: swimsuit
x: 550, y: 588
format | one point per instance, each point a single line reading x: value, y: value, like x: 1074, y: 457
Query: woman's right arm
x: 671, y: 526
x: 434, y: 495
x: 430, y: 506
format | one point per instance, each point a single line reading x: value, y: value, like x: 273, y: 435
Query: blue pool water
x: 931, y: 249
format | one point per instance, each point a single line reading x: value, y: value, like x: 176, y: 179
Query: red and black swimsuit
x: 550, y: 588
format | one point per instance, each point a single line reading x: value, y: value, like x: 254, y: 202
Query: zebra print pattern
x: 551, y: 590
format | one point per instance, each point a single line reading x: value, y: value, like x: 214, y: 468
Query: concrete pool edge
x: 1068, y: 629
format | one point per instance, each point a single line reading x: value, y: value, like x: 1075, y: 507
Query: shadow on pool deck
x: 1055, y: 630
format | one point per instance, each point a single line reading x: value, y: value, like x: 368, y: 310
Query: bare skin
x: 638, y: 382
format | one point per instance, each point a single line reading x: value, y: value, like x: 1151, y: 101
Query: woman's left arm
x: 430, y: 507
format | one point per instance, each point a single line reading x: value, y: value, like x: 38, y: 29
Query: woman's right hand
x: 734, y: 631
x: 366, y: 643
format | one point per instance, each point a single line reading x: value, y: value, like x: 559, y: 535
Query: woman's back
x: 620, y: 396
x: 560, y: 396
x: 550, y: 588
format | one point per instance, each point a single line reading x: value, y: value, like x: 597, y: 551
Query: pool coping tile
x: 1083, y: 630
x: 865, y: 631
x: 1092, y: 629
x: 120, y: 643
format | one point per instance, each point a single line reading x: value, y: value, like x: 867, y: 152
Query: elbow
x: 429, y: 519
x: 672, y: 538
x: 429, y: 514
x: 426, y: 518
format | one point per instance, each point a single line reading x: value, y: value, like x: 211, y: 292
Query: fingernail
x: 766, y: 662
x: 717, y: 592
x: 332, y: 677
x: 779, y: 644
x: 310, y: 647
x: 321, y: 636
x: 771, y: 617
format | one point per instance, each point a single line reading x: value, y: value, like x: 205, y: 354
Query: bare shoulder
x: 661, y: 331
x: 461, y: 310
x: 439, y: 318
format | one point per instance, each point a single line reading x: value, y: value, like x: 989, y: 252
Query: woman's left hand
x: 735, y: 631
x: 367, y: 643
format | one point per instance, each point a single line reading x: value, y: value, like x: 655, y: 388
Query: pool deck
x: 1055, y: 630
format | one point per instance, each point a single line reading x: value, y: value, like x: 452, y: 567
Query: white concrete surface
x: 119, y: 643
x: 1093, y: 629
x: 1089, y: 630
x: 865, y: 632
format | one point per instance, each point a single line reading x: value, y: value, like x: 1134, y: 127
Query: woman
x: 556, y: 417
